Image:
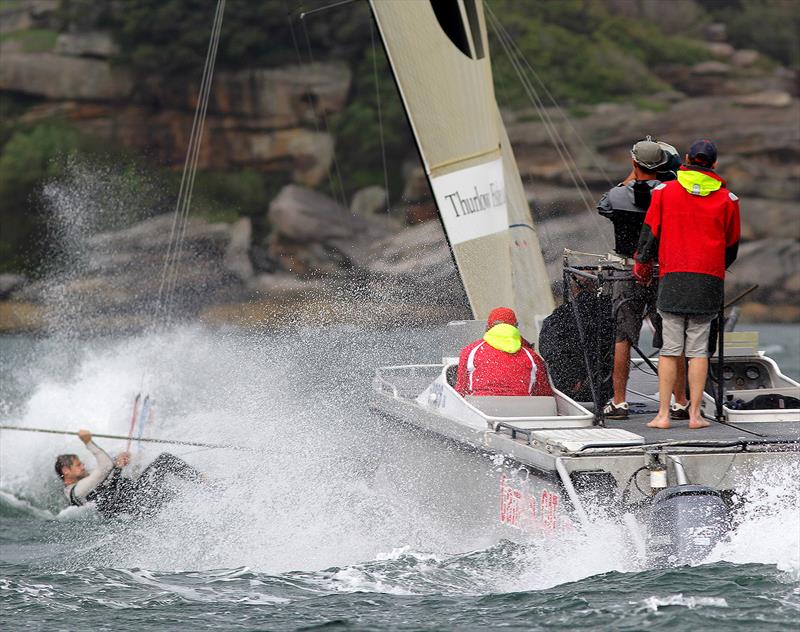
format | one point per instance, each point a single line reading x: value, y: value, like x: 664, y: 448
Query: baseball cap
x: 649, y: 154
x: 703, y: 152
x: 503, y: 315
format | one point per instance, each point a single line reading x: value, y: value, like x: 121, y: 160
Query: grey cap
x: 649, y: 154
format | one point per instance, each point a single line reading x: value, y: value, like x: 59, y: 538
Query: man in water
x: 114, y: 493
x: 626, y: 205
x: 692, y: 230
x: 502, y: 362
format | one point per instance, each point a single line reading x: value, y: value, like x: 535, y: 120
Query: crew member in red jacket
x: 692, y: 228
x: 502, y: 362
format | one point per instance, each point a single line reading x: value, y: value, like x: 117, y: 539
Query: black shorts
x: 632, y: 303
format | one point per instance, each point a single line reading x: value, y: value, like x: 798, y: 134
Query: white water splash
x: 654, y: 603
x: 767, y: 528
x: 332, y: 486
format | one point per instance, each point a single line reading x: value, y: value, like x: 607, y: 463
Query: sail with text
x: 438, y: 51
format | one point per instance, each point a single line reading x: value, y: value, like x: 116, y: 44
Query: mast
x: 439, y: 54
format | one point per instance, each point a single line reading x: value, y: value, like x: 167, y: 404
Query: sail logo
x: 495, y: 196
x: 472, y: 201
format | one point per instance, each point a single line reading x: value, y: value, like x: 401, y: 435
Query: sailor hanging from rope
x: 111, y: 491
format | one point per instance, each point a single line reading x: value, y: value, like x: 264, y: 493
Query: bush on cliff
x: 583, y: 52
x: 29, y: 157
x: 766, y: 25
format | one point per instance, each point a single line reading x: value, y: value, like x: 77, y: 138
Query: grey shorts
x: 632, y: 302
x: 686, y: 334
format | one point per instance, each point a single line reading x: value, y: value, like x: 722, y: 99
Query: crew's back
x: 502, y: 362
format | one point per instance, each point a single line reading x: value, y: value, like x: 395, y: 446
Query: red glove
x: 643, y: 272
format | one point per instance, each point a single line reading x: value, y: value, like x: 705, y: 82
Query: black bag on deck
x: 560, y: 346
x: 771, y: 401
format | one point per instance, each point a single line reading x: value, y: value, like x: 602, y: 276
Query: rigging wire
x: 551, y: 129
x: 309, y: 97
x: 516, y: 58
x: 598, y: 164
x: 169, y: 273
x: 380, y: 115
x: 323, y: 116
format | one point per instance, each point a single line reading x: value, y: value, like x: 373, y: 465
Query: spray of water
x: 325, y: 489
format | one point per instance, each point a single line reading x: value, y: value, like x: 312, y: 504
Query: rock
x: 768, y: 99
x: 415, y: 265
x: 670, y: 96
x: 716, y: 32
x: 116, y: 277
x: 283, y: 286
x: 304, y: 215
x: 304, y: 155
x: 312, y: 233
x: 419, y: 212
x: 745, y: 57
x: 9, y: 283
x: 710, y: 69
x: 17, y: 316
x: 236, y: 259
x: 769, y: 263
x: 418, y: 252
x: 368, y: 201
x: 92, y: 44
x: 285, y: 97
x: 792, y: 284
x: 416, y: 187
x: 55, y: 77
x: 754, y: 312
x: 769, y: 218
x: 21, y: 16
x: 722, y: 50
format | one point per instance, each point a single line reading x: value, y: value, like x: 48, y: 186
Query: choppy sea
x: 332, y: 519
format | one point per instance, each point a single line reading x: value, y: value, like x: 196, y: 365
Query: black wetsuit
x: 117, y: 494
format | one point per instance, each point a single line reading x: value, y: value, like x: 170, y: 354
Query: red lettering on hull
x: 524, y: 510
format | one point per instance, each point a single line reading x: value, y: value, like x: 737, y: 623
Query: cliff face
x: 258, y: 118
x: 268, y: 120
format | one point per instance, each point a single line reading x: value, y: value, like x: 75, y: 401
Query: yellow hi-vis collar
x: 504, y: 337
x: 698, y: 183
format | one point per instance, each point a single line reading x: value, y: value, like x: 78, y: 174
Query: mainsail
x: 439, y: 53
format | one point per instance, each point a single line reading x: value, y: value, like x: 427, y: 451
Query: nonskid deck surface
x: 679, y: 430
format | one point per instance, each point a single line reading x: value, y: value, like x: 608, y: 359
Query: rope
x: 169, y: 273
x: 198, y: 444
x: 514, y: 55
x: 321, y: 114
x: 311, y: 104
x: 380, y: 116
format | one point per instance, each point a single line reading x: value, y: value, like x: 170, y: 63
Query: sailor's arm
x: 732, y: 231
x: 604, y: 207
x: 104, y: 466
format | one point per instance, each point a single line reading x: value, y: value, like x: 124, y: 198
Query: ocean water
x: 331, y: 518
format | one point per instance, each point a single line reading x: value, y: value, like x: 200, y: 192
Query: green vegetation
x: 769, y: 26
x: 32, y: 40
x: 583, y: 52
x: 30, y: 157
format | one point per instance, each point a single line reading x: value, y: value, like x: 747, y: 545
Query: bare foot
x: 659, y: 422
x: 696, y: 424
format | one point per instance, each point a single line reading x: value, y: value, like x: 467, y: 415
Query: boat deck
x: 769, y: 431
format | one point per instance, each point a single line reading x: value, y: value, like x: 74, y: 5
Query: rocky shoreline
x: 320, y: 260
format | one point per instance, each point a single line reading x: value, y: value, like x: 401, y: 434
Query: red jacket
x: 692, y: 228
x: 489, y: 371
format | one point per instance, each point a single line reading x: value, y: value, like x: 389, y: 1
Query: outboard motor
x: 686, y: 522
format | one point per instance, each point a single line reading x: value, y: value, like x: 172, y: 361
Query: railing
x: 387, y: 378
